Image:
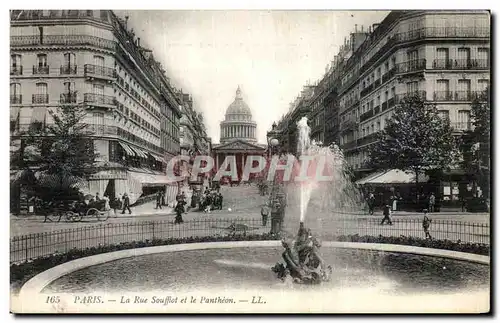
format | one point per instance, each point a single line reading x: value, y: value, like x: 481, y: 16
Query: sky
x: 269, y: 54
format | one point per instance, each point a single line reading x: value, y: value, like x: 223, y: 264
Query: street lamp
x: 276, y: 198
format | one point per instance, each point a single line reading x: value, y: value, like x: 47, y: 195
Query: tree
x: 62, y: 151
x: 475, y: 144
x: 416, y: 139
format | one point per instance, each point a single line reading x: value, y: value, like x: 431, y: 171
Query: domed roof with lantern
x: 238, y: 110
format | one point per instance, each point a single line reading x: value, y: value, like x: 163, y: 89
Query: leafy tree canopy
x: 415, y: 139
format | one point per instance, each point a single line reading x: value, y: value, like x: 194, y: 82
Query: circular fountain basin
x: 388, y: 269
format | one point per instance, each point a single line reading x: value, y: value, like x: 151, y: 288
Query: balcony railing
x: 365, y: 116
x: 349, y: 124
x: 427, y: 32
x: 387, y: 76
x: 16, y: 99
x: 99, y: 71
x: 411, y: 66
x: 443, y: 96
x: 99, y: 129
x: 401, y: 97
x: 16, y: 70
x: 366, y: 90
x: 99, y: 99
x: 68, y: 69
x: 390, y: 103
x: 460, y: 64
x: 349, y: 145
x: 68, y: 97
x: 461, y: 125
x: 40, y: 98
x: 371, y: 138
x: 40, y: 69
x: 65, y: 40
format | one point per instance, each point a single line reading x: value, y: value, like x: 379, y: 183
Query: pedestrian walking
x: 126, y: 204
x: 432, y: 202
x: 387, y: 215
x: 264, y: 212
x: 426, y: 223
x: 371, y: 203
x: 158, y: 201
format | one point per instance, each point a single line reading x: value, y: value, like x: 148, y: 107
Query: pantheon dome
x: 238, y: 123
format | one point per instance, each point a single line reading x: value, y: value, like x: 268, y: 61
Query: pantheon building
x: 238, y: 134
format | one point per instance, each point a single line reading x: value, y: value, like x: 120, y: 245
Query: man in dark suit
x: 126, y: 204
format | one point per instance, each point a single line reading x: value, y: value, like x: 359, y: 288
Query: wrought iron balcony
x: 64, y: 40
x: 68, y: 69
x: 97, y: 71
x: 401, y: 97
x: 443, y: 96
x: 411, y: 66
x: 390, y: 103
x: 40, y: 98
x: 387, y: 76
x: 366, y: 90
x: 371, y: 138
x: 40, y: 69
x: 460, y: 64
x: 16, y: 99
x: 365, y: 116
x: 68, y: 97
x: 16, y: 70
x: 99, y: 99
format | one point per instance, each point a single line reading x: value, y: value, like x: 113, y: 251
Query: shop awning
x: 127, y: 149
x: 393, y: 176
x: 151, y: 180
x: 14, y: 113
x: 139, y: 152
x: 38, y: 114
x: 366, y: 179
x: 158, y: 158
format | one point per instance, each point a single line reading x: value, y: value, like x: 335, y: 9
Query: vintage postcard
x: 250, y: 161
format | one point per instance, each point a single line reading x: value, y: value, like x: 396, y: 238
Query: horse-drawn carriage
x: 75, y: 211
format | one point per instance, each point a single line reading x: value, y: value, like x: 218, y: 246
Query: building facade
x: 91, y: 58
x: 443, y: 56
x: 193, y: 136
x: 237, y: 135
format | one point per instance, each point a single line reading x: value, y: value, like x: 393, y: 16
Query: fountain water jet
x: 337, y: 195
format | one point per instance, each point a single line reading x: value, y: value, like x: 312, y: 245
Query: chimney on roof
x: 356, y: 28
x: 139, y: 41
x: 362, y: 28
x: 126, y: 21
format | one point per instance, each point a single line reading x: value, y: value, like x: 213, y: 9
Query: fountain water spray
x: 335, y: 195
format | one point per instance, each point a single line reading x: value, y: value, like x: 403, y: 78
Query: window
x: 42, y: 60
x: 442, y: 90
x: 412, y: 87
x: 442, y: 58
x: 412, y: 55
x: 69, y: 59
x: 378, y: 125
x: 99, y: 60
x: 69, y: 87
x: 15, y: 62
x: 463, y: 120
x: 463, y: 91
x: 98, y: 89
x: 15, y: 89
x: 41, y: 88
x: 444, y: 114
x: 483, y: 55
